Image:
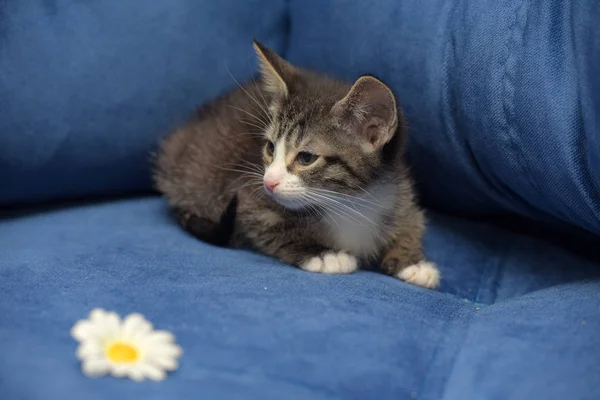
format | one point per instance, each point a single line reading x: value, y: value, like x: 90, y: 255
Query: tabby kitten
x: 303, y: 168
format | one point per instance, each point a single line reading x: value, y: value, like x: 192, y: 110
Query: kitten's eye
x: 270, y: 148
x: 306, y: 158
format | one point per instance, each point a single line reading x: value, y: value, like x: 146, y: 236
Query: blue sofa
x: 503, y: 102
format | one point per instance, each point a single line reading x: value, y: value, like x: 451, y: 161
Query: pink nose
x: 270, y: 185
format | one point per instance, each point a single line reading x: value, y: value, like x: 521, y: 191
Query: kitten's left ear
x: 277, y: 73
x: 370, y: 111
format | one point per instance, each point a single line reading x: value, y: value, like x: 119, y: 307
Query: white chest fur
x: 355, y: 223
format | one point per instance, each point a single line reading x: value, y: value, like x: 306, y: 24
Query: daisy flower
x: 129, y: 348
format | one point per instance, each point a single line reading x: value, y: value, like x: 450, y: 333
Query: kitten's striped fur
x: 342, y: 193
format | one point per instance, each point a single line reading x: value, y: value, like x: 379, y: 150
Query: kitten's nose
x: 270, y: 185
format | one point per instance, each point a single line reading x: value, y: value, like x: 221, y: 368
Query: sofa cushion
x: 541, y: 346
x: 502, y: 97
x: 254, y: 328
x: 88, y: 87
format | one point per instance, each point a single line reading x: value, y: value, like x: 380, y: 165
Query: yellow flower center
x: 121, y: 352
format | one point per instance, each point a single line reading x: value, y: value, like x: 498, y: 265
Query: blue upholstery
x: 87, y: 88
x: 254, y: 328
x: 502, y: 99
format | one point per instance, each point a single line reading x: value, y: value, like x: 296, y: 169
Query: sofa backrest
x: 88, y: 87
x: 502, y: 98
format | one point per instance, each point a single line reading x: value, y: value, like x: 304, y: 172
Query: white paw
x: 331, y: 263
x: 314, y: 264
x: 423, y: 274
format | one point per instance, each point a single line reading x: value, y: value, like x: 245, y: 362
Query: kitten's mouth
x: 288, y: 200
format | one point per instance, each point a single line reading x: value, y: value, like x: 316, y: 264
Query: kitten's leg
x: 216, y: 231
x: 284, y: 238
x: 297, y: 249
x: 406, y: 261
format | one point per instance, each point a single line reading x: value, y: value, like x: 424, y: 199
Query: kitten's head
x: 324, y: 136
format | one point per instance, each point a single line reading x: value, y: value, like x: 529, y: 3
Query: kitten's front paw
x: 331, y: 263
x: 424, y: 274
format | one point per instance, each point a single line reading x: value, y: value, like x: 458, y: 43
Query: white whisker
x: 365, y: 191
x: 261, y: 95
x: 333, y: 207
x: 264, y: 124
x: 249, y: 184
x: 252, y: 167
x: 245, y: 121
x: 341, y: 205
x: 241, y: 171
x: 257, y: 192
x: 249, y: 95
x: 348, y: 196
x: 318, y: 213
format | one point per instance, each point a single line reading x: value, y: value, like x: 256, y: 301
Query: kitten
x: 303, y: 168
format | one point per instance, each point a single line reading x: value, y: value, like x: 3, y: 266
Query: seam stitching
x: 515, y: 39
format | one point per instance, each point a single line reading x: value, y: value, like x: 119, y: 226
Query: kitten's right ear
x: 369, y: 111
x: 276, y: 72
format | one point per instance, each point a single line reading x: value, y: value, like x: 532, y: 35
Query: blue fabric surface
x: 501, y: 96
x: 254, y: 328
x: 87, y: 87
x: 502, y: 102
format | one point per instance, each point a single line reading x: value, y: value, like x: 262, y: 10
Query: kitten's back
x: 200, y: 166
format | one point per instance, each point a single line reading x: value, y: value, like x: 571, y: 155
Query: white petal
x: 83, y: 329
x: 152, y: 372
x: 88, y: 330
x: 97, y: 315
x: 171, y: 350
x: 112, y: 324
x: 163, y: 349
x: 136, y: 374
x: 167, y: 363
x: 89, y: 348
x: 119, y: 370
x: 95, y: 367
x: 135, y: 325
x: 159, y: 337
